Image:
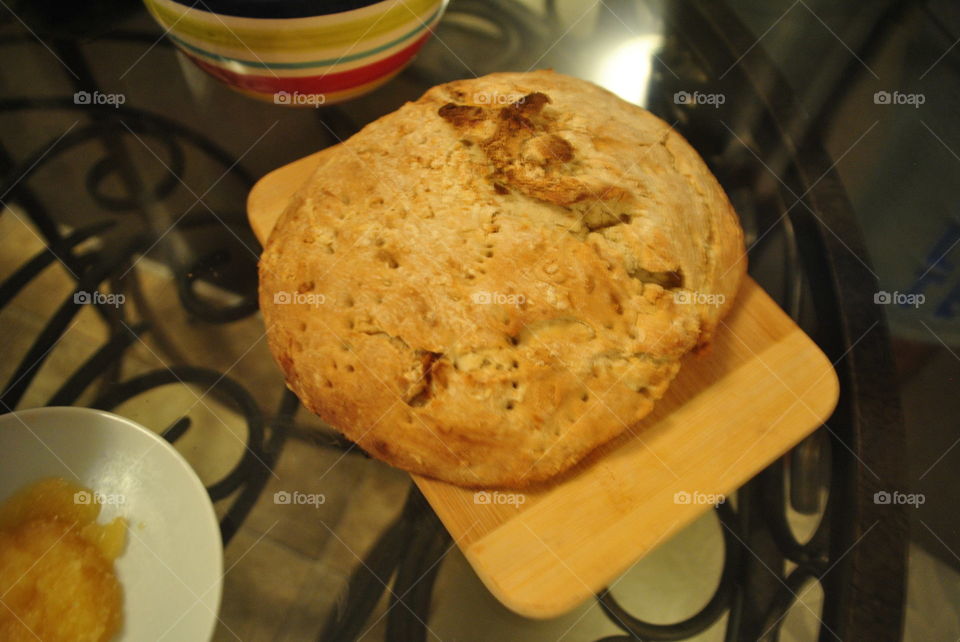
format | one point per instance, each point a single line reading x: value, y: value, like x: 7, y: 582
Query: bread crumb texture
x: 490, y: 282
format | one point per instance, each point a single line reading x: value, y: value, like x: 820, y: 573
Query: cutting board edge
x: 535, y: 608
x: 306, y: 165
x: 529, y: 609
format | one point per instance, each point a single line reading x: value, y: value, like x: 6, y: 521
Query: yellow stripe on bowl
x: 244, y: 37
x: 345, y: 62
x: 319, y: 57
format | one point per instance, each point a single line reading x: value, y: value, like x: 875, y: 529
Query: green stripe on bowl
x: 277, y: 35
x: 311, y: 63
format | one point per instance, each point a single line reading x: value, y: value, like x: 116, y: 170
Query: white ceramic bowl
x: 172, y: 567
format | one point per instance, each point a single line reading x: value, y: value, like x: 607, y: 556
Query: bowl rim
x: 274, y: 10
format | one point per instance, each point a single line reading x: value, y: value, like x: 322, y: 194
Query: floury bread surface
x: 490, y: 282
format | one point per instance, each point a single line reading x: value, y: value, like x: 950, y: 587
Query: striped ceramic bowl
x: 300, y: 52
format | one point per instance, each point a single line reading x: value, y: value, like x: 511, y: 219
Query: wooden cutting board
x: 762, y: 388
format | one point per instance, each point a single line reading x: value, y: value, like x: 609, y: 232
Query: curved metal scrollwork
x: 123, y: 237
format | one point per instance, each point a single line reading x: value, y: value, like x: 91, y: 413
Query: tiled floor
x: 288, y: 565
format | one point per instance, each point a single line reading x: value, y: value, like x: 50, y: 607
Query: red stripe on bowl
x: 329, y: 82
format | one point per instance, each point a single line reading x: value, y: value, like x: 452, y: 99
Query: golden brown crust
x: 483, y: 290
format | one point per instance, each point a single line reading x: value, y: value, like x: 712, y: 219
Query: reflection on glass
x: 626, y: 69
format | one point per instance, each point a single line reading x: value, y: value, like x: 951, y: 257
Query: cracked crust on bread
x: 490, y: 282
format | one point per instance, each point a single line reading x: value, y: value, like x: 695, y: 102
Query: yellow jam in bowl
x: 57, y: 578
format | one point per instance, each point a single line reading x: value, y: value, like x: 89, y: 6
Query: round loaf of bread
x: 490, y: 282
